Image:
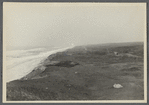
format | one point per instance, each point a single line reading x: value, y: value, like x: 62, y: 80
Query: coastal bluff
x: 85, y: 73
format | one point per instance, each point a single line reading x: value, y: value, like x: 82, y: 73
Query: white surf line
x: 29, y: 64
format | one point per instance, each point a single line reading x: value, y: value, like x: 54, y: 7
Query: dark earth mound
x: 64, y: 64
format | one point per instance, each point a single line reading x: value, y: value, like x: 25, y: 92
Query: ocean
x: 21, y: 62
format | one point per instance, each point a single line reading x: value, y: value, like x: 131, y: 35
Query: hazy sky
x: 46, y: 24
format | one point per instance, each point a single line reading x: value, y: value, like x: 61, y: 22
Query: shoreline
x: 35, y: 59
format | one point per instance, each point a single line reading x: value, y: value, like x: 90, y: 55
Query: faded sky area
x: 61, y: 24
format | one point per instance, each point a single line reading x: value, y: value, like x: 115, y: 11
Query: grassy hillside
x: 85, y: 73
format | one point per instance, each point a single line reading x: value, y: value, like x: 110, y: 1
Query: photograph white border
x: 81, y: 101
